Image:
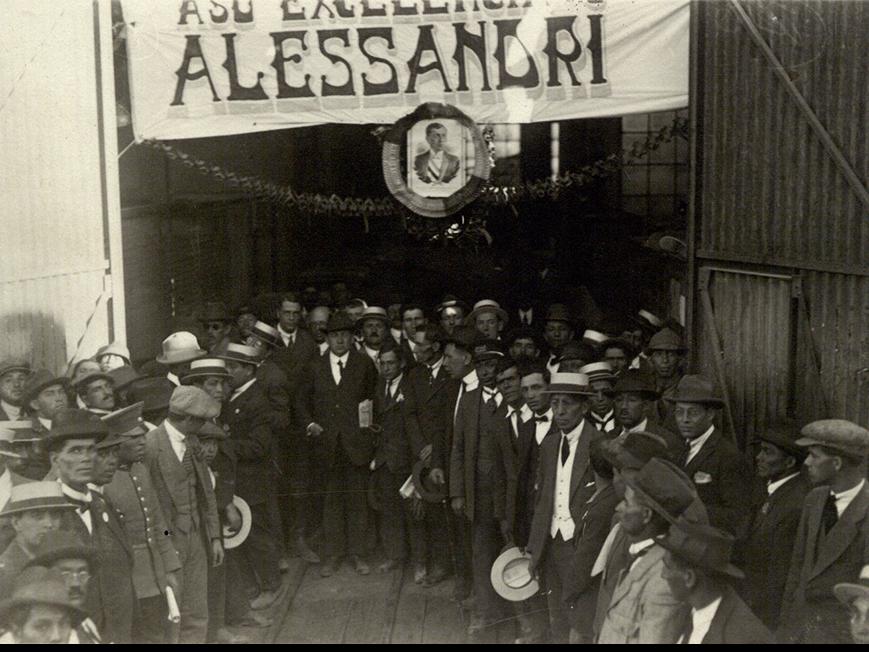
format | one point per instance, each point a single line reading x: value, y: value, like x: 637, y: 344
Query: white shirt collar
x: 844, y: 498
x: 375, y: 355
x: 638, y: 547
x: 12, y: 411
x: 541, y: 428
x: 696, y: 444
x: 173, y: 379
x: 640, y: 427
x: 79, y: 403
x: 285, y: 336
x: 701, y: 619
x: 437, y: 156
x: 435, y: 369
x: 324, y: 346
x: 491, y: 392
x: 773, y: 486
x: 397, y: 334
x: 241, y: 390
x: 75, y: 494
x: 46, y: 423
x: 173, y: 432
x: 471, y: 381
x: 573, y: 435
x: 526, y: 413
x: 333, y: 359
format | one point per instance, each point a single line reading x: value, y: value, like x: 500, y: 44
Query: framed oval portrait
x: 435, y: 160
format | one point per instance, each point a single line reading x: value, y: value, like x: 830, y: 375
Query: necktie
x: 830, y: 514
x: 689, y: 629
x: 189, y: 451
x: 340, y: 370
x: 430, y: 376
x: 388, y: 392
x: 565, y: 450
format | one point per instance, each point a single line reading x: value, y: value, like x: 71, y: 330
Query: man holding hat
x: 76, y: 562
x: 832, y: 542
x: 247, y: 415
x: 565, y: 483
x: 634, y: 397
x: 558, y: 331
x: 717, y: 468
x: 698, y: 571
x: 96, y: 393
x: 186, y: 497
x: 13, y: 378
x: 667, y: 355
x: 643, y: 609
x: 488, y: 318
x: 179, y: 349
x: 478, y: 481
x: 72, y: 450
x: 34, y: 511
x: 217, y: 324
x: 856, y: 598
x: 132, y: 494
x: 337, y: 390
x: 765, y: 554
x: 39, y: 610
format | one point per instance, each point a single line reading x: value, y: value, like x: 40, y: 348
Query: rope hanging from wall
x: 369, y: 207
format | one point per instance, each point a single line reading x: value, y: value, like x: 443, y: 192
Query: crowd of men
x: 428, y: 439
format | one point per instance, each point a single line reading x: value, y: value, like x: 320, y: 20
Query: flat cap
x: 13, y: 364
x: 837, y: 434
x: 666, y: 340
x: 340, y: 321
x: 194, y: 402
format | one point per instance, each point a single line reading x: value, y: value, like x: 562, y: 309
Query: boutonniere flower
x: 399, y: 397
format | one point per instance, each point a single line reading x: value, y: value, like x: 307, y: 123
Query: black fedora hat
x: 784, y: 433
x: 634, y: 381
x: 702, y: 546
x: 428, y: 490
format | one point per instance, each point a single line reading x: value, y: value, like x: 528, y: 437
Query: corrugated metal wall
x: 51, y: 209
x: 771, y: 201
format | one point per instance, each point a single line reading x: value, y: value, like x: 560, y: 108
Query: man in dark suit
x: 131, y: 492
x: 427, y: 392
x: 72, y: 450
x: 436, y: 165
x: 186, y: 497
x: 248, y: 415
x: 479, y: 463
x: 765, y: 554
x: 634, y: 397
x: 13, y: 377
x: 565, y: 483
x: 391, y: 464
x: 717, y: 468
x: 334, y: 402
x: 666, y: 353
x: 832, y: 542
x: 698, y: 571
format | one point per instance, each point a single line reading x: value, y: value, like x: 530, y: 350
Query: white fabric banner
x: 215, y: 67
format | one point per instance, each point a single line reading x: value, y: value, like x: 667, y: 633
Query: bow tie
x: 543, y: 419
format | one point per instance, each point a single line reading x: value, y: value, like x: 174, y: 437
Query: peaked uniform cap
x: 192, y: 401
x: 486, y: 305
x: 839, y: 434
x: 126, y: 421
x: 666, y: 340
x: 180, y: 347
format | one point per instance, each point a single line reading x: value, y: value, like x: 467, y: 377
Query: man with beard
x: 96, y: 393
x: 832, y: 542
x: 217, y: 324
x: 72, y: 450
x: 524, y: 344
x: 765, y: 555
x: 558, y: 331
x: 34, y: 510
x: 131, y: 492
x: 478, y: 479
x: 373, y: 324
x: 13, y: 377
x: 76, y: 562
x: 318, y: 319
x: 667, y: 355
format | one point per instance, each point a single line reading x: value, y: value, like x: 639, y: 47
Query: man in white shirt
x: 565, y: 483
x: 698, y: 571
x: 13, y: 377
x: 602, y: 379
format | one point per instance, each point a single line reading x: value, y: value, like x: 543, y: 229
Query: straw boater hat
x: 39, y: 585
x: 452, y: 302
x: 838, y: 434
x: 265, y: 333
x: 35, y: 495
x: 205, y: 367
x: 511, y: 576
x: 375, y: 312
x: 235, y: 539
x: 13, y: 432
x: 847, y: 592
x: 13, y: 364
x: 695, y: 389
x: 115, y: 348
x: 599, y: 371
x: 569, y: 383
x: 486, y: 305
x: 594, y: 338
x: 180, y: 347
x: 242, y: 353
x: 39, y: 380
x: 702, y: 546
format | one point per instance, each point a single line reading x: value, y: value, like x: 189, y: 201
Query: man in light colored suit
x: 832, y: 542
x: 643, y: 608
x: 187, y: 500
x: 565, y: 483
x: 436, y: 165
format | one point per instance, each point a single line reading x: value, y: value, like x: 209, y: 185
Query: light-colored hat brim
x: 471, y: 319
x: 847, y: 592
x: 180, y: 357
x: 35, y: 503
x: 569, y: 389
x: 507, y: 559
x: 231, y: 540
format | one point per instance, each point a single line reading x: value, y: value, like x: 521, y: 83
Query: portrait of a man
x: 436, y: 165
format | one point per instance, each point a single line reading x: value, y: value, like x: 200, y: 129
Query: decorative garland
x: 368, y: 207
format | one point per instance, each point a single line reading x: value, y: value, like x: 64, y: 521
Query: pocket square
x: 702, y: 478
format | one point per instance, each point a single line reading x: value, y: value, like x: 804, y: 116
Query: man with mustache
x: 13, y: 377
x: 131, y: 493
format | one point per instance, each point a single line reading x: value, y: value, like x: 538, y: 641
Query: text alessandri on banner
x: 216, y: 67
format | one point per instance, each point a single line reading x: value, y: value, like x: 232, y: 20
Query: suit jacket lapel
x: 715, y: 635
x: 843, y: 532
x: 643, y: 566
x: 167, y: 462
x: 580, y: 459
x: 708, y: 449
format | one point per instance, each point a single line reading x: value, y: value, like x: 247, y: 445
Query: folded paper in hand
x: 408, y: 489
x: 366, y: 409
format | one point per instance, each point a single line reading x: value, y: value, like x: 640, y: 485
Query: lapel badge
x: 105, y: 517
x: 765, y: 509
